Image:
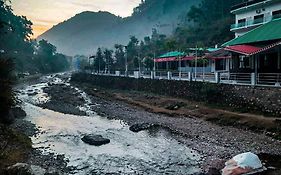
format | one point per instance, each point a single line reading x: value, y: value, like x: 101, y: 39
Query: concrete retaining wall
x: 246, y: 98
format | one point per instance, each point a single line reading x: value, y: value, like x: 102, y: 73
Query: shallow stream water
x: 146, y: 152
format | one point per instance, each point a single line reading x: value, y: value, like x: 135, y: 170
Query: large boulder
x: 243, y: 164
x: 142, y: 126
x: 96, y: 140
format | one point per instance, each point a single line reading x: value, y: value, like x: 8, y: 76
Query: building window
x: 241, y: 22
x: 276, y: 14
x: 244, y: 62
x: 258, y: 19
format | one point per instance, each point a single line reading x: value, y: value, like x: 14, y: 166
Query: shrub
x: 6, y: 93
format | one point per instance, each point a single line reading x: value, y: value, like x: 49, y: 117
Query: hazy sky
x: 46, y: 13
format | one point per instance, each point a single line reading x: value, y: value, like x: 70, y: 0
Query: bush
x: 6, y: 93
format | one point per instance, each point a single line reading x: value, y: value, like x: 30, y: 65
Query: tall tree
x: 119, y: 56
x: 108, y: 59
x: 99, y: 63
x: 132, y: 50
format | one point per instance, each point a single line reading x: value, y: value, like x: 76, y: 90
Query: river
x: 147, y: 152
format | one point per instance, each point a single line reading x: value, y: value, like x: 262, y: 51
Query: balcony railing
x: 245, y: 4
x: 254, y: 22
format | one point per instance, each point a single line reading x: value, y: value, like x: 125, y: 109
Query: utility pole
x: 126, y: 61
x: 179, y: 58
x: 196, y: 54
x: 154, y: 62
x: 139, y: 62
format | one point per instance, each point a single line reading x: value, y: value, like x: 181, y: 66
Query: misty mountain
x: 85, y: 32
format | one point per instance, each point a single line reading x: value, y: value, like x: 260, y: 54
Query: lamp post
x: 196, y: 54
x: 126, y: 61
x: 139, y: 63
x: 154, y: 62
x: 179, y: 58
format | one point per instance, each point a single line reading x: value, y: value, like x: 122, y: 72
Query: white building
x: 253, y: 13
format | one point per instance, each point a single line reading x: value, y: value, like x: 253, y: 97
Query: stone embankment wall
x: 245, y: 98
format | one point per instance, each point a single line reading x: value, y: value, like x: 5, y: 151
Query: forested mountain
x: 210, y: 20
x: 85, y: 32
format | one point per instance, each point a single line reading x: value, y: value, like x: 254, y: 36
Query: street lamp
x: 196, y: 52
x: 126, y: 61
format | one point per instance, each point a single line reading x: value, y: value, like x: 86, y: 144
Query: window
x: 276, y: 14
x: 244, y: 62
x: 241, y: 22
x: 258, y: 19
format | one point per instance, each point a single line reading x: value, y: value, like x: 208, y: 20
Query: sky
x: 46, y: 13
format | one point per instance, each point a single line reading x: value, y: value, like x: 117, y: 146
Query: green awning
x: 266, y: 32
x: 172, y: 54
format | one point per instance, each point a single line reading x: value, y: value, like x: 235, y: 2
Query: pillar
x: 253, y: 79
x: 279, y: 58
x: 217, y: 77
x: 169, y: 75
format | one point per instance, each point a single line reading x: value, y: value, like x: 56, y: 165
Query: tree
x: 148, y: 63
x: 108, y: 59
x: 48, y: 60
x: 99, y: 63
x: 132, y: 50
x: 119, y: 56
x: 6, y: 92
x: 209, y: 15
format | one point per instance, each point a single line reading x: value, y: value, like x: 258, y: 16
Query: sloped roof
x: 243, y: 49
x: 218, y: 54
x: 266, y: 32
x: 172, y: 54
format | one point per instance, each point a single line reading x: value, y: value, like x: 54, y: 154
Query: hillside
x: 84, y: 32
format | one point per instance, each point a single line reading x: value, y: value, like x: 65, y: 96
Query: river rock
x: 96, y: 140
x: 25, y: 169
x: 243, y: 164
x: 142, y: 126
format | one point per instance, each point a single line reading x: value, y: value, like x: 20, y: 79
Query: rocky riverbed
x: 138, y: 141
x: 216, y: 143
x: 63, y: 115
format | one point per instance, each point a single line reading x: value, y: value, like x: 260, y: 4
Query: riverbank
x: 16, y: 150
x: 217, y: 134
x: 187, y: 122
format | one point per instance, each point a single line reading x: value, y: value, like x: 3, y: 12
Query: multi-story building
x: 253, y: 13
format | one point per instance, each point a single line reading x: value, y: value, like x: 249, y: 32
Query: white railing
x: 146, y: 74
x: 161, y: 75
x: 273, y: 79
x: 260, y: 79
x: 204, y: 76
x: 236, y: 78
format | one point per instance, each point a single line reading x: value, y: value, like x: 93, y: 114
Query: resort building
x: 254, y: 13
x: 257, y: 48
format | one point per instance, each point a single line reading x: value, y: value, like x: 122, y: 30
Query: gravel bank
x: 213, y: 141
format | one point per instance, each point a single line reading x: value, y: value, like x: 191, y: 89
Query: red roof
x: 268, y: 47
x: 218, y: 54
x: 243, y: 49
x: 188, y: 58
x: 185, y: 58
x: 158, y: 60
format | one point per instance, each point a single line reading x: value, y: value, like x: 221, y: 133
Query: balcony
x: 245, y: 4
x: 252, y: 23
